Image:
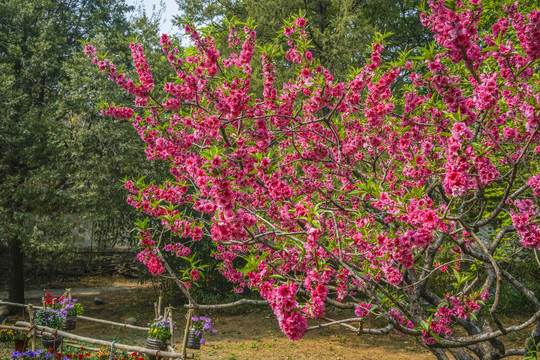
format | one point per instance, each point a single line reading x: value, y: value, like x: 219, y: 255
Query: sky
x: 171, y: 9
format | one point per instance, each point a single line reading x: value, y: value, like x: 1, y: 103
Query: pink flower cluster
x: 455, y: 31
x: 290, y: 318
x: 454, y: 307
x: 534, y: 183
x: 487, y: 92
x: 363, y: 309
x: 119, y: 112
x: 529, y: 33
x: 529, y: 232
x: 147, y: 83
x: 316, y: 287
x: 148, y: 255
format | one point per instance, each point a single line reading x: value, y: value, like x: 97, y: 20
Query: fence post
x: 186, y: 332
x: 32, y: 326
x: 159, y: 303
x: 171, y: 325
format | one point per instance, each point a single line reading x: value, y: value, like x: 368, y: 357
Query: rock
x: 131, y: 321
x: 4, y: 311
x: 98, y: 301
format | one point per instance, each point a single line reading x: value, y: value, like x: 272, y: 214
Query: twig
x: 227, y: 305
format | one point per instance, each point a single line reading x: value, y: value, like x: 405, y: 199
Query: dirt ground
x: 249, y: 336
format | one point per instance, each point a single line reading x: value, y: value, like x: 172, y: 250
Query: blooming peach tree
x: 319, y: 192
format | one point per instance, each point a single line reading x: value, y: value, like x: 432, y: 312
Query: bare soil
x: 251, y: 335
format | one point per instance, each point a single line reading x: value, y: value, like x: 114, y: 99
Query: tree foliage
x: 54, y: 156
x: 340, y: 30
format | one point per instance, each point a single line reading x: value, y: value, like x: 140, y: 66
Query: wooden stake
x: 171, y: 325
x: 159, y: 303
x: 32, y: 326
x: 186, y: 332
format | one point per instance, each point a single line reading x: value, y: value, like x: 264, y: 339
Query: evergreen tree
x: 340, y: 30
x: 38, y: 38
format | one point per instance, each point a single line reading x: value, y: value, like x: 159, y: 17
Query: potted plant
x: 70, y: 306
x: 73, y: 308
x: 15, y: 337
x: 53, y: 319
x: 198, y: 326
x: 159, y: 333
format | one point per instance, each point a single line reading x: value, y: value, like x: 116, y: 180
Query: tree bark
x: 16, y: 272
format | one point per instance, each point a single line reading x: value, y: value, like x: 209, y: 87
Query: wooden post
x: 32, y: 326
x: 155, y: 311
x: 159, y: 303
x: 69, y: 293
x: 186, y: 332
x: 171, y: 325
x: 166, y: 313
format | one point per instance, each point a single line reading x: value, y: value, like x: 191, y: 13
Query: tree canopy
x: 51, y: 163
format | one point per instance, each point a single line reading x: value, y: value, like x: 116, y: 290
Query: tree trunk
x: 16, y: 273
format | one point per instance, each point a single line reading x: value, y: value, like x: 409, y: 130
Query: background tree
x: 98, y: 151
x: 38, y: 38
x: 340, y: 30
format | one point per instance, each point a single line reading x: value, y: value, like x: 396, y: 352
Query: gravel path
x: 76, y: 291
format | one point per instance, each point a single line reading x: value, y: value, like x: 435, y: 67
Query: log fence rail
x: 37, y: 331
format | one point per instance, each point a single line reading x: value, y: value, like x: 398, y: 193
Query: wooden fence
x: 37, y: 331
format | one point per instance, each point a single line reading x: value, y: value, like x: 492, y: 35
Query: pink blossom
x: 294, y: 325
x: 534, y: 183
x: 362, y: 309
x: 300, y: 22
